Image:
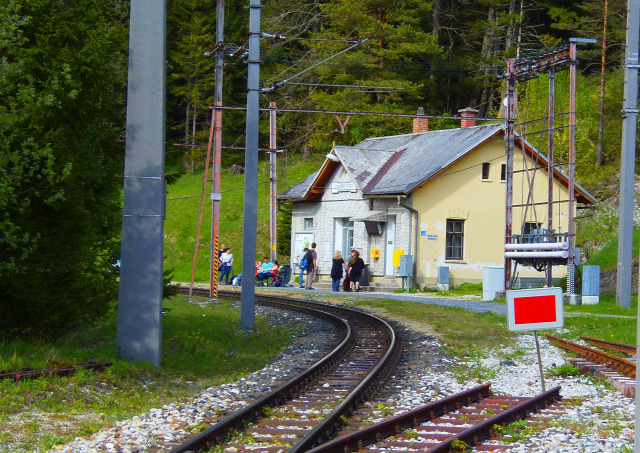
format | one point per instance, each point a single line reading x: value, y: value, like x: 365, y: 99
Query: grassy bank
x: 183, y: 207
x: 203, y: 345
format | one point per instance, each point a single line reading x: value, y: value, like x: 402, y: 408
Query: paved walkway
x: 471, y: 303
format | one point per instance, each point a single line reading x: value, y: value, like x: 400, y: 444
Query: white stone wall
x: 341, y: 199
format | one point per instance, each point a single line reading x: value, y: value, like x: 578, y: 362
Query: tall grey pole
x: 248, y: 299
x: 627, y: 170
x: 139, y: 326
x: 627, y: 161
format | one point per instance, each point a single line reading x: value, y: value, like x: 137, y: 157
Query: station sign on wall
x: 535, y: 309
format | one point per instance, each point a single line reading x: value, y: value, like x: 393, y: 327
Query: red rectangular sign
x: 536, y: 309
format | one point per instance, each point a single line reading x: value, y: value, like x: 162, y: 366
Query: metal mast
x: 217, y: 159
x: 627, y: 162
x: 139, y: 325
x: 215, y: 142
x: 248, y: 298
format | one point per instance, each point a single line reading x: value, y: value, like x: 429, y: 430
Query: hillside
x: 183, y: 206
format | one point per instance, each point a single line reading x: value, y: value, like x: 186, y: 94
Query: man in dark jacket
x: 312, y: 265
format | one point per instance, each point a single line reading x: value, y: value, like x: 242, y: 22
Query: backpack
x: 308, y: 260
x: 303, y: 263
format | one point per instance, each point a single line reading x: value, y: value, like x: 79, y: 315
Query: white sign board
x: 535, y: 309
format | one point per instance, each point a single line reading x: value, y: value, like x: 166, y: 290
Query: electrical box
x: 374, y: 253
x: 396, y: 257
x: 406, y: 266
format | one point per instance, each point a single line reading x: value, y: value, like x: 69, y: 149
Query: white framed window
x: 308, y: 223
x: 455, y: 239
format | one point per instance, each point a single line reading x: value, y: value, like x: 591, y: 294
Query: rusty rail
x: 614, y: 346
x: 618, y: 364
x: 395, y: 426
x: 59, y: 371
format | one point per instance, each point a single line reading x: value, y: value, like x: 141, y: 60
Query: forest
x: 63, y: 75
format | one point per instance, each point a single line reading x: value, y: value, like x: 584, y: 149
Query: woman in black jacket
x: 337, y: 269
x: 356, y: 266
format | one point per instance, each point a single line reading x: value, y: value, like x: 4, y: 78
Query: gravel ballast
x: 598, y: 419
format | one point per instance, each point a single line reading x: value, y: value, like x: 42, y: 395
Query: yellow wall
x: 460, y: 192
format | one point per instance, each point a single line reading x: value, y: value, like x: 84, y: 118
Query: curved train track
x: 307, y: 410
x: 313, y: 411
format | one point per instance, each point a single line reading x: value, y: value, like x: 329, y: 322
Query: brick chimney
x: 468, y: 117
x: 420, y: 124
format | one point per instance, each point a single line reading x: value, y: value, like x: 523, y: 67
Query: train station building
x: 438, y: 196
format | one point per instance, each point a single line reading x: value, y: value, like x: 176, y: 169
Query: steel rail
x: 207, y: 438
x: 620, y: 347
x: 393, y: 426
x: 481, y: 431
x: 410, y: 419
x: 328, y: 426
x: 60, y: 371
x: 617, y: 363
x: 324, y: 430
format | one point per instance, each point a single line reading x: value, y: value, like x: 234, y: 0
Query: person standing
x: 299, y: 259
x: 337, y: 269
x: 226, y: 261
x: 312, y: 265
x: 356, y: 266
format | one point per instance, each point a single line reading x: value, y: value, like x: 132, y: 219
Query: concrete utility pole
x: 627, y: 161
x: 627, y: 171
x: 139, y: 326
x: 248, y: 297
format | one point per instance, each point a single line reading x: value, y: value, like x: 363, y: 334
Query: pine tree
x: 62, y: 97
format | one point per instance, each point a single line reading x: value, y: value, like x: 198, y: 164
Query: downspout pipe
x: 413, y: 211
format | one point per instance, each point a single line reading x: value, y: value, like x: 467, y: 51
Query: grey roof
x: 398, y: 164
x: 300, y: 189
x: 417, y: 157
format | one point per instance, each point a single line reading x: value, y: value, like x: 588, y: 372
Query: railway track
x: 307, y: 410
x: 467, y: 417
x: 618, y: 364
x: 65, y: 370
x: 612, y: 345
x: 318, y: 410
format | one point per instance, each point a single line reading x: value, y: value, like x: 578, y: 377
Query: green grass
x: 463, y: 331
x: 607, y: 256
x: 202, y: 346
x: 183, y: 207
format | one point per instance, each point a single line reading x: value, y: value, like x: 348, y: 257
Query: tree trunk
x: 512, y: 30
x: 487, y: 53
x: 436, y: 10
x: 306, y: 152
x: 599, y: 159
